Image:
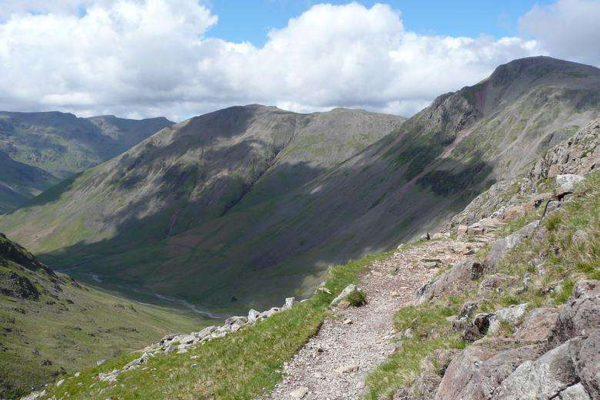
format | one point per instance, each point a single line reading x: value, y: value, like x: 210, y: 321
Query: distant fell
x: 52, y: 146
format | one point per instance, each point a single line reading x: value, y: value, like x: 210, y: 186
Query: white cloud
x: 152, y: 57
x: 567, y: 29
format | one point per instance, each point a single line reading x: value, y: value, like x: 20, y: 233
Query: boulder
x: 580, y: 315
x: 502, y: 246
x: 289, y: 303
x: 137, y: 362
x: 543, y: 378
x: 462, y: 230
x: 345, y: 293
x: 346, y: 369
x: 575, y: 392
x: 457, y: 279
x: 512, y: 315
x: 566, y: 183
x: 478, y: 327
x: 270, y: 312
x: 460, y: 372
x: 537, y: 326
x: 253, y: 316
x: 299, y: 393
x: 34, y: 395
x: 587, y: 363
x: 478, y: 371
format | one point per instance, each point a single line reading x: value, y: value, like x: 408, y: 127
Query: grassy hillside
x: 131, y: 208
x: 51, y: 325
x: 243, y: 365
x: 221, y: 207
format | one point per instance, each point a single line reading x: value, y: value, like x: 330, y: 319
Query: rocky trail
x: 335, y: 363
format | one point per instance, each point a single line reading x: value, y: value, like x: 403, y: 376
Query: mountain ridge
x: 60, y: 144
x: 424, y: 171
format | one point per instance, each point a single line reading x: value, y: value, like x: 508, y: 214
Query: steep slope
x: 51, y: 325
x: 62, y: 144
x: 193, y: 173
x: 265, y: 223
x: 20, y: 182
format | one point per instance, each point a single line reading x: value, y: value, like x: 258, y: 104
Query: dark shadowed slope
x: 19, y: 182
x: 60, y: 145
x: 247, y: 204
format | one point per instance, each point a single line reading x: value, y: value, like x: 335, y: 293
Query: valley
x: 244, y: 206
x: 147, y: 257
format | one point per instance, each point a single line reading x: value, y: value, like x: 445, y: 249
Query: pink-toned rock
x: 514, y: 212
x: 537, y: 326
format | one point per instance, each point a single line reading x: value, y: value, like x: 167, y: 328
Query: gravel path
x: 334, y: 363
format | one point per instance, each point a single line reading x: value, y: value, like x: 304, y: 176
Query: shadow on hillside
x: 252, y: 244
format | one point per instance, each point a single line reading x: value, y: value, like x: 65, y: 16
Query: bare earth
x: 335, y: 363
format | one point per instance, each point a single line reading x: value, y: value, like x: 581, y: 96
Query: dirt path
x: 334, y: 363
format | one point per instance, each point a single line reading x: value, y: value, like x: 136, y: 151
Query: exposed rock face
x: 502, y: 246
x: 14, y: 285
x: 564, y: 363
x: 538, y: 325
x: 478, y: 370
x: 14, y: 252
x: 575, y: 361
x: 580, y: 314
x: 577, y: 156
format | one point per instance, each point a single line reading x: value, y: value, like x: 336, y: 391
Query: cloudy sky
x: 179, y: 58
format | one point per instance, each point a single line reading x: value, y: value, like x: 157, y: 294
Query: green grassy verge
x: 242, y: 365
x: 428, y: 331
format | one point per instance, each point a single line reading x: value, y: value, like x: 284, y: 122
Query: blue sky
x: 244, y: 20
x: 180, y: 58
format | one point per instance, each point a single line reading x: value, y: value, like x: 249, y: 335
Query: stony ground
x: 335, y: 363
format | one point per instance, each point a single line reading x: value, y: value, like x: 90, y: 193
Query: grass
x: 429, y: 331
x: 243, y: 365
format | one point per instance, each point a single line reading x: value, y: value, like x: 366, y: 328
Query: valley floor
x: 335, y: 363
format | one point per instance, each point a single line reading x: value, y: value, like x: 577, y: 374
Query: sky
x: 180, y: 58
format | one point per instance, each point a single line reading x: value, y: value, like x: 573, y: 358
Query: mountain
x: 505, y: 308
x: 19, y: 182
x: 60, y: 145
x: 244, y: 206
x: 51, y: 325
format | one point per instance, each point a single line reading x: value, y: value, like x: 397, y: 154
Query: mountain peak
x: 537, y: 67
